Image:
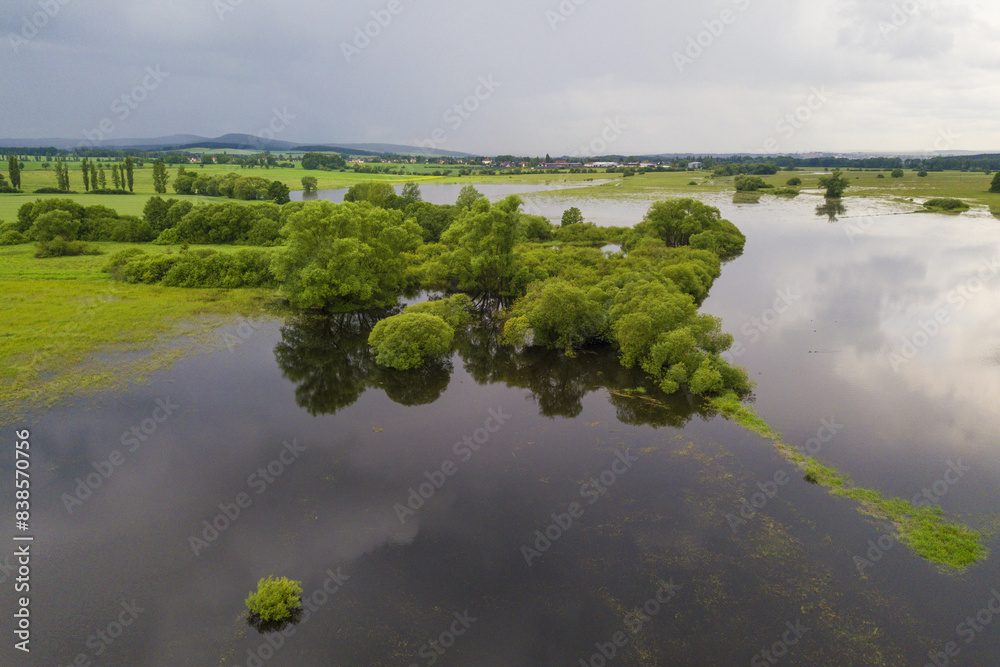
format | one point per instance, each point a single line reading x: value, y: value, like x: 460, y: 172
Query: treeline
x: 96, y: 181
x: 233, y: 186
x: 744, y: 164
x: 194, y: 268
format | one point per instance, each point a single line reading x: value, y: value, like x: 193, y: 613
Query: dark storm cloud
x: 711, y: 76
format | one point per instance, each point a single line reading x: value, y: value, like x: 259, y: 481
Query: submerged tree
x: 836, y: 184
x: 345, y: 256
x: 407, y: 340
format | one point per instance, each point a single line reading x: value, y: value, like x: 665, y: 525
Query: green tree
x: 411, y: 193
x: 749, y: 183
x: 93, y: 176
x: 995, y: 186
x: 275, y: 599
x: 160, y: 177
x: 62, y: 176
x: 794, y: 181
x: 278, y: 192
x: 836, y: 184
x: 129, y: 174
x: 407, y: 341
x: 102, y: 178
x: 558, y: 314
x: 682, y: 222
x: 115, y: 178
x: 483, y: 239
x: 572, y: 216
x: 468, y: 196
x: 54, y: 224
x: 379, y: 193
x: 85, y: 168
x: 310, y: 183
x: 14, y: 168
x: 897, y: 173
x: 346, y: 256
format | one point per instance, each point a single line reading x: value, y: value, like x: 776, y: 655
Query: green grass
x: 69, y: 329
x: 924, y: 529
x: 946, y: 205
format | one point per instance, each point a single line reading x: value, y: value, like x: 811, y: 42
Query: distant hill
x: 226, y: 142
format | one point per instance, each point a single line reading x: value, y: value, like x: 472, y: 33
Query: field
x: 67, y: 327
x: 970, y: 186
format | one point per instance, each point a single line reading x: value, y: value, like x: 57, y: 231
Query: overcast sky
x: 564, y: 77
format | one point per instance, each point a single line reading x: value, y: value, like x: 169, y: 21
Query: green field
x: 68, y: 328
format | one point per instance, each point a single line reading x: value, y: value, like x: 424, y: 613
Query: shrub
x: 60, y: 247
x: 794, y: 181
x: 897, y: 173
x: 747, y: 183
x: 880, y: 176
x: 922, y: 173
x: 196, y: 268
x: 406, y: 341
x: 11, y: 237
x: 455, y: 311
x: 946, y: 204
x: 120, y: 259
x: 52, y: 224
x: 995, y: 186
x: 275, y: 599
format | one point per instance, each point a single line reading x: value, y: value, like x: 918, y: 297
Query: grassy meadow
x: 68, y: 328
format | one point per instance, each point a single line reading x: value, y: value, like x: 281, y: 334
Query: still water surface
x: 665, y: 482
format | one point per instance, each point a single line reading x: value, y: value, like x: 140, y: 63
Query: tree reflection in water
x: 328, y: 358
x: 831, y: 209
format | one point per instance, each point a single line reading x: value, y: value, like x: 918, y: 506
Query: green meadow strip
x: 923, y: 529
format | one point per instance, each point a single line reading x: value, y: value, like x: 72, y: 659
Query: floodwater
x: 447, y: 193
x: 834, y: 320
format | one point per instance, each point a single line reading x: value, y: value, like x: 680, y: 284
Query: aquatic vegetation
x: 923, y: 528
x: 946, y: 205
